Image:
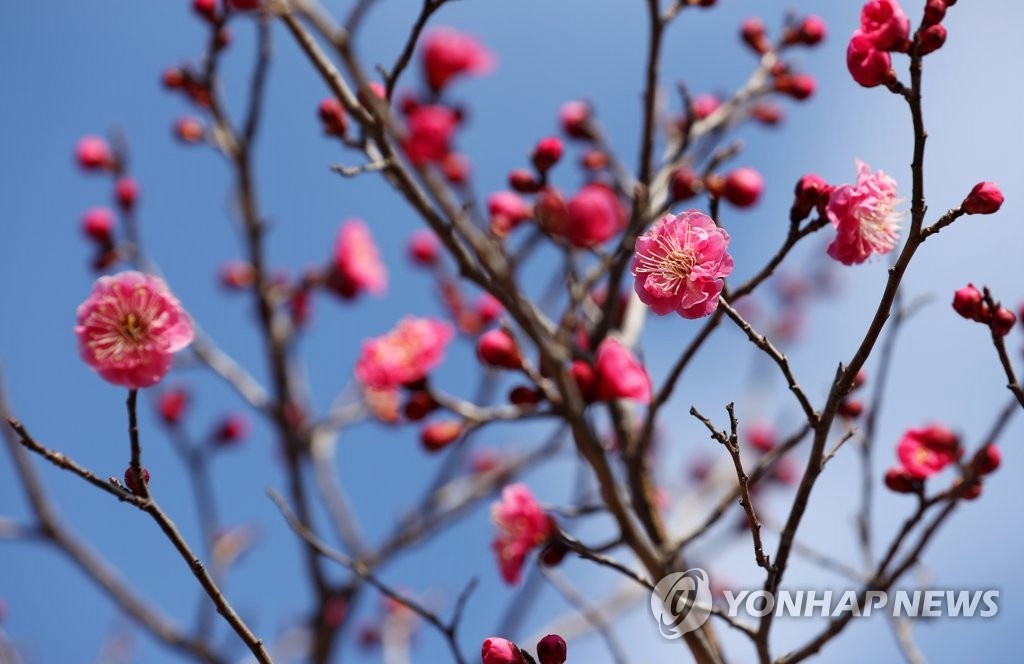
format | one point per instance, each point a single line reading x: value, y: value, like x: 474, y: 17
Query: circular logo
x: 681, y: 602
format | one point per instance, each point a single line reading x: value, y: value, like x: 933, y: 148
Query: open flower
x: 357, y: 264
x: 864, y: 216
x: 680, y: 264
x: 925, y: 451
x: 522, y: 526
x: 129, y: 327
x: 404, y: 355
x: 448, y: 53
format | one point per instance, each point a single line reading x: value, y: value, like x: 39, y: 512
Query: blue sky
x: 71, y: 68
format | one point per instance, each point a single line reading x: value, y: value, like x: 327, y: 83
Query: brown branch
x: 447, y: 629
x: 730, y: 441
x: 1012, y: 383
x: 51, y: 529
x: 762, y: 342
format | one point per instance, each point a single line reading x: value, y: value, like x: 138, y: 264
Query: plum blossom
x: 522, y: 526
x: 129, y: 328
x: 448, y: 53
x: 925, y: 451
x: 864, y: 216
x: 357, y: 264
x: 885, y: 25
x: 619, y: 375
x: 404, y: 355
x: 680, y: 264
x: 430, y: 132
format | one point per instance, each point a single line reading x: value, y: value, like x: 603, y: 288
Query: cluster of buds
x: 550, y: 650
x: 970, y: 303
x: 94, y: 155
x: 885, y: 29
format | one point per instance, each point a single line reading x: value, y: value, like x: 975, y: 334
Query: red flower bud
x: 766, y: 113
x: 987, y: 459
x: 332, y: 116
x: 547, y: 153
x: 594, y: 160
x: 497, y: 348
x: 424, y: 248
x: 551, y: 650
x: 753, y: 35
x: 743, y: 187
x: 1002, y: 321
x: 244, y: 5
x: 811, y: 191
x: 93, y: 153
x: 525, y: 396
x: 797, y: 86
x: 173, y: 78
x: 488, y: 308
x: 205, y: 8
x: 98, y: 225
x: 189, y: 130
x: 523, y: 181
x: 500, y: 651
x: 435, y: 436
x: 985, y: 198
x: 685, y: 184
x: 851, y: 408
x: 868, y: 65
x: 171, y: 405
x: 969, y: 303
x: 418, y: 406
x: 232, y: 429
x: 900, y: 481
x: 810, y: 32
x: 932, y: 38
x: 934, y: 11
x: 129, y: 479
x: 574, y: 117
x: 127, y: 192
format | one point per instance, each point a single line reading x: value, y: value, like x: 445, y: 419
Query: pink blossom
x: 507, y: 210
x: 985, y: 198
x: 430, y: 131
x: 868, y: 65
x: 496, y: 650
x: 522, y: 526
x: 129, y: 328
x: 595, y: 216
x: 885, y: 25
x: 619, y: 375
x: 93, y: 153
x: 424, y: 247
x: 680, y: 264
x: 404, y: 355
x: 447, y: 54
x: 864, y: 217
x: 357, y: 264
x: 925, y: 451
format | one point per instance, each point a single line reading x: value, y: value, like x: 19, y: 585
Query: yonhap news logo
x: 681, y: 602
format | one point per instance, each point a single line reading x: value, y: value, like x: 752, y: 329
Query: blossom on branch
x: 357, y: 265
x: 864, y: 216
x: 448, y: 54
x: 522, y: 526
x: 129, y: 328
x: 404, y: 355
x: 680, y: 264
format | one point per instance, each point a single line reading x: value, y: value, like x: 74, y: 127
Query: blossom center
x: 670, y: 268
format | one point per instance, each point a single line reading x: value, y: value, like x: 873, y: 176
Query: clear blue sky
x: 71, y: 68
